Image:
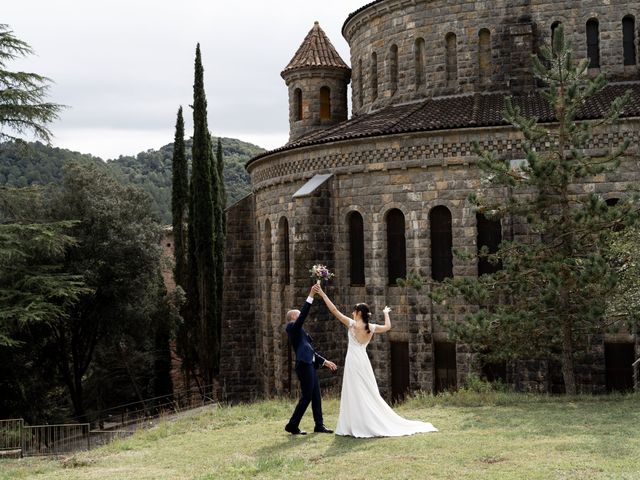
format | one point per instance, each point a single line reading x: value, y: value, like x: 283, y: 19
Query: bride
x: 363, y: 412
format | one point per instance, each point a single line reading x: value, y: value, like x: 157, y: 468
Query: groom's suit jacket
x: 301, y: 341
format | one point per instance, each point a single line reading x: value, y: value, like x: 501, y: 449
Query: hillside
x: 151, y: 170
x: 34, y: 163
x: 482, y: 435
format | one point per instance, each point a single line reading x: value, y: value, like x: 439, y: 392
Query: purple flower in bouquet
x: 320, y: 273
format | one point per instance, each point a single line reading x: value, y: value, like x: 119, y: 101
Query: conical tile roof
x: 316, y: 51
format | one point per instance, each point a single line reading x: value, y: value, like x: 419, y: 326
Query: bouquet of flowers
x: 320, y: 273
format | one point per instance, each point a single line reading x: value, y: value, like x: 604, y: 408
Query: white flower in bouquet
x: 320, y: 272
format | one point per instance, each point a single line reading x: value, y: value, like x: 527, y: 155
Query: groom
x: 307, y: 361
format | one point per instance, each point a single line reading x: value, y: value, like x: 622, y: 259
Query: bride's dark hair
x: 363, y: 308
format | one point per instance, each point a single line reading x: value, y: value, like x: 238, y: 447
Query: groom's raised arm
x: 304, y: 311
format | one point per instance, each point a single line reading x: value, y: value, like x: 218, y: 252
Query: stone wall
x: 517, y: 28
x: 414, y: 173
x: 239, y: 365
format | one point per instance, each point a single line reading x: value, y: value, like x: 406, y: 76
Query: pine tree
x: 22, y: 94
x: 202, y: 293
x: 552, y: 290
x: 179, y: 203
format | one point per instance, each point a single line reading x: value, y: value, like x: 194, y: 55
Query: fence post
x: 23, y: 440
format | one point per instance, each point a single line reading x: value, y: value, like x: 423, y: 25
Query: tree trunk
x: 78, y: 401
x: 568, y: 371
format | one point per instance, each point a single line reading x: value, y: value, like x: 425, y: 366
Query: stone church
x: 383, y: 192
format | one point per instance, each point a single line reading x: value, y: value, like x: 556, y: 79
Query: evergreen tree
x: 623, y: 306
x: 202, y: 292
x: 222, y: 190
x: 179, y: 203
x: 551, y: 292
x: 22, y: 106
x: 220, y: 217
x: 34, y: 288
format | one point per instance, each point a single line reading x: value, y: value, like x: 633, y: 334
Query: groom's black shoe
x: 295, y: 431
x: 322, y: 429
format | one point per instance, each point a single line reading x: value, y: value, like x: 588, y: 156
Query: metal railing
x: 55, y: 439
x: 136, y: 413
x: 636, y: 374
x: 16, y: 438
x: 11, y: 436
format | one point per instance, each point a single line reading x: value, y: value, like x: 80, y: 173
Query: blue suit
x: 307, y: 361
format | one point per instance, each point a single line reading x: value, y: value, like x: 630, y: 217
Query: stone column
x: 238, y: 366
x: 314, y: 244
x: 520, y: 69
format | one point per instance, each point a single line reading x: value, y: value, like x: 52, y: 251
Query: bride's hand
x: 386, y: 309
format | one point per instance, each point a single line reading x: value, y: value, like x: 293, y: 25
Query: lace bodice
x: 353, y: 339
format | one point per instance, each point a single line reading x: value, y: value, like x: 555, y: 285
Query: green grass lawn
x: 482, y: 436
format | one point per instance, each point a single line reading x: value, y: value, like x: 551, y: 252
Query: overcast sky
x: 124, y: 67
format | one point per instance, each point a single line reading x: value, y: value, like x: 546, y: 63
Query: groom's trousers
x: 310, y: 387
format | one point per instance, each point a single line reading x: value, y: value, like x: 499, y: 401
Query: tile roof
x: 463, y: 111
x: 316, y: 51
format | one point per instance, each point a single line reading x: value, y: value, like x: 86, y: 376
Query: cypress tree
x: 179, y: 203
x: 202, y: 294
x: 222, y: 190
x: 220, y: 218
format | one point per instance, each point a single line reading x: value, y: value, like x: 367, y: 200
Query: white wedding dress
x: 363, y: 412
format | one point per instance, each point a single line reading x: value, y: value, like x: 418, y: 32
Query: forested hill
x: 34, y: 163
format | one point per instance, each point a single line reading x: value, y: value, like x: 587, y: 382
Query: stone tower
x: 317, y: 79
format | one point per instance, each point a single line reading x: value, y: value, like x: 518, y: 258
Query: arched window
x: 396, y: 246
x: 356, y: 248
x: 484, y: 55
x: 629, y: 40
x: 490, y: 236
x: 419, y: 53
x: 441, y: 243
x: 593, y: 43
x: 285, y: 265
x: 374, y: 76
x: 612, y: 202
x: 451, y: 59
x: 393, y: 68
x: 325, y: 103
x: 297, y: 104
x: 554, y: 26
x: 266, y: 244
x: 360, y: 84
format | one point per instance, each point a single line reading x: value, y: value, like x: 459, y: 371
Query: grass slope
x: 482, y: 436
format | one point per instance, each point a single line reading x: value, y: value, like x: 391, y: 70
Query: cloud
x: 123, y: 68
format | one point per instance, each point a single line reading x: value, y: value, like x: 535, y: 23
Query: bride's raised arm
x: 387, y: 322
x: 333, y: 309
